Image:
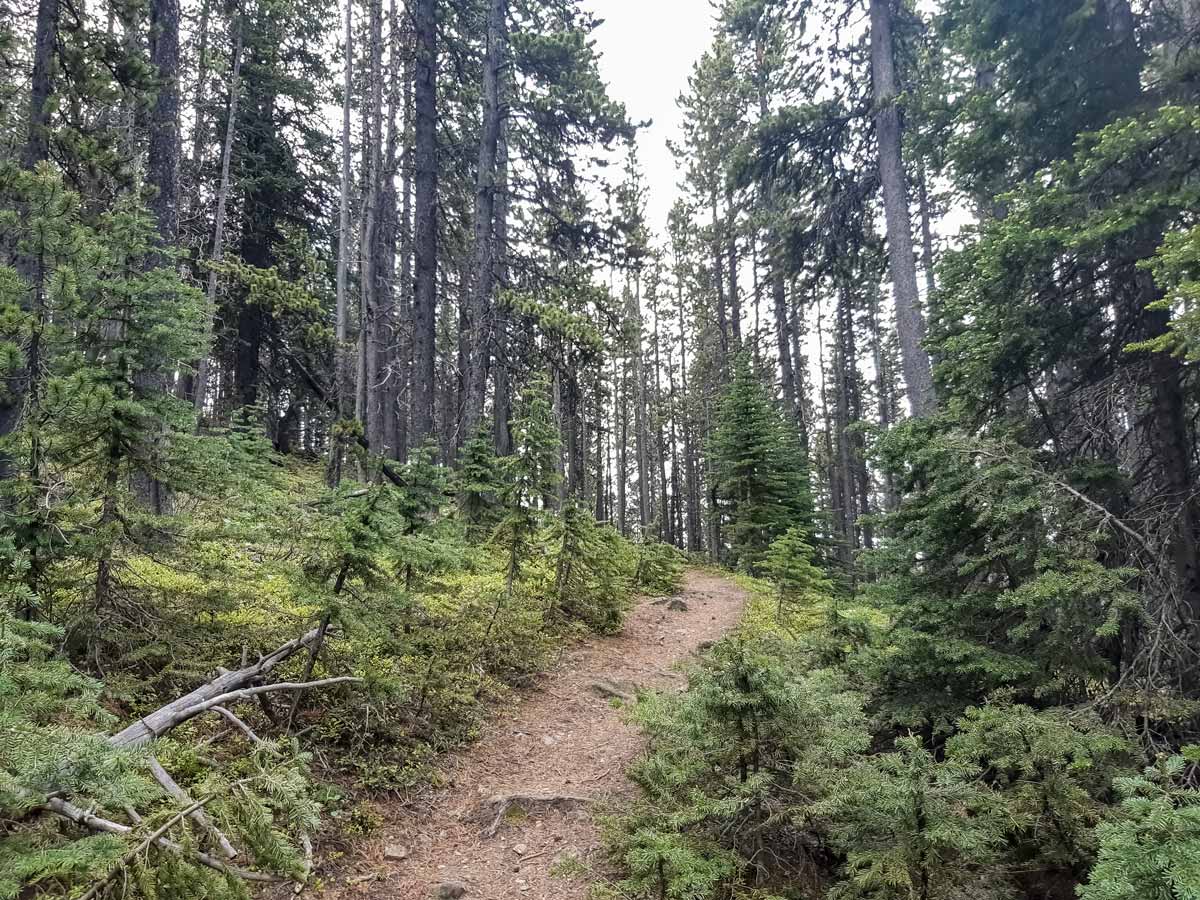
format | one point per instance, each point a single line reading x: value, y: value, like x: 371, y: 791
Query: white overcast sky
x: 647, y: 50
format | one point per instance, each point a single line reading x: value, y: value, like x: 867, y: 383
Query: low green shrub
x: 773, y: 775
x: 659, y: 568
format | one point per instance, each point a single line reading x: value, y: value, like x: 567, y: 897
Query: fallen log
x: 195, y: 811
x: 167, y: 717
x: 226, y: 687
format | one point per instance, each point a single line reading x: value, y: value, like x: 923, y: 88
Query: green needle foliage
x: 1150, y: 848
x: 758, y: 468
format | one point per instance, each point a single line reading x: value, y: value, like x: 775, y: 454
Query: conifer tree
x: 760, y: 474
x: 530, y: 474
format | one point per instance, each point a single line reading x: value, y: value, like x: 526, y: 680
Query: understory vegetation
x: 795, y: 765
x: 432, y: 597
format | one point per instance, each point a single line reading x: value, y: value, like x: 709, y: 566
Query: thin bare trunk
x: 910, y: 322
x: 200, y: 397
x: 479, y: 312
x: 422, y: 389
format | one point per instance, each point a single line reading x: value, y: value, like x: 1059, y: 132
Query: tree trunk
x: 480, y: 298
x: 842, y: 361
x: 163, y: 176
x: 45, y: 35
x: 422, y: 390
x: 910, y: 323
x: 404, y: 349
x: 386, y: 350
x: 185, y: 387
x: 719, y: 279
x: 199, y: 398
x: 883, y: 390
x: 677, y: 527
x: 689, y: 456
x: 665, y: 528
x: 502, y: 387
x: 370, y: 244
x: 796, y: 321
x: 342, y: 310
x: 164, y: 142
x: 622, y: 448
x: 639, y: 410
x: 735, y: 303
x: 36, y: 150
x: 927, y: 260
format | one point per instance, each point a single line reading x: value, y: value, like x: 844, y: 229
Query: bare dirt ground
x: 562, y: 739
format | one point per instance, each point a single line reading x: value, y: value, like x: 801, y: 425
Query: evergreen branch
x: 1000, y: 455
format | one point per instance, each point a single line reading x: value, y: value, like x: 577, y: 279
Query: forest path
x: 560, y: 738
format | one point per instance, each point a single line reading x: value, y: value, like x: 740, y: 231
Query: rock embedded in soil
x: 395, y: 852
x: 606, y: 688
x: 450, y: 890
x: 678, y: 605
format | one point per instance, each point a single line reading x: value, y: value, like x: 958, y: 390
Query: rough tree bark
x: 36, y: 149
x: 502, y: 379
x: 927, y: 259
x: 735, y: 302
x: 910, y: 323
x: 404, y: 343
x: 691, y: 465
x: 639, y: 408
x: 165, y: 143
x: 479, y: 311
x: 422, y: 389
x: 367, y: 394
x: 200, y: 395
x: 384, y: 438
x: 342, y: 308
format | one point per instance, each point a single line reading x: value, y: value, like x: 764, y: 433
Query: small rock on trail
x: 621, y: 690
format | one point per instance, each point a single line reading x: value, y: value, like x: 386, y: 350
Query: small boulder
x: 606, y: 688
x: 395, y: 852
x: 677, y: 605
x: 519, y: 849
x: 450, y: 890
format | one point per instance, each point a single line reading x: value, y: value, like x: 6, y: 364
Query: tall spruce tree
x: 760, y: 475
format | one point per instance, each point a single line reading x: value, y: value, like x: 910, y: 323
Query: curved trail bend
x: 560, y: 739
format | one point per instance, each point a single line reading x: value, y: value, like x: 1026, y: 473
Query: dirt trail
x: 562, y: 738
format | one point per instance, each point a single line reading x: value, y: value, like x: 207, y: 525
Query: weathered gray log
x: 183, y: 708
x: 171, y: 786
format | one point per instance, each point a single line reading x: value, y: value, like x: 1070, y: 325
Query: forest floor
x: 559, y: 753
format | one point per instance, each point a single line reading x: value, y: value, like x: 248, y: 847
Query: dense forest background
x: 343, y: 379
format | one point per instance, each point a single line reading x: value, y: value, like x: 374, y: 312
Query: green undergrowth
x: 779, y: 774
x: 439, y: 610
